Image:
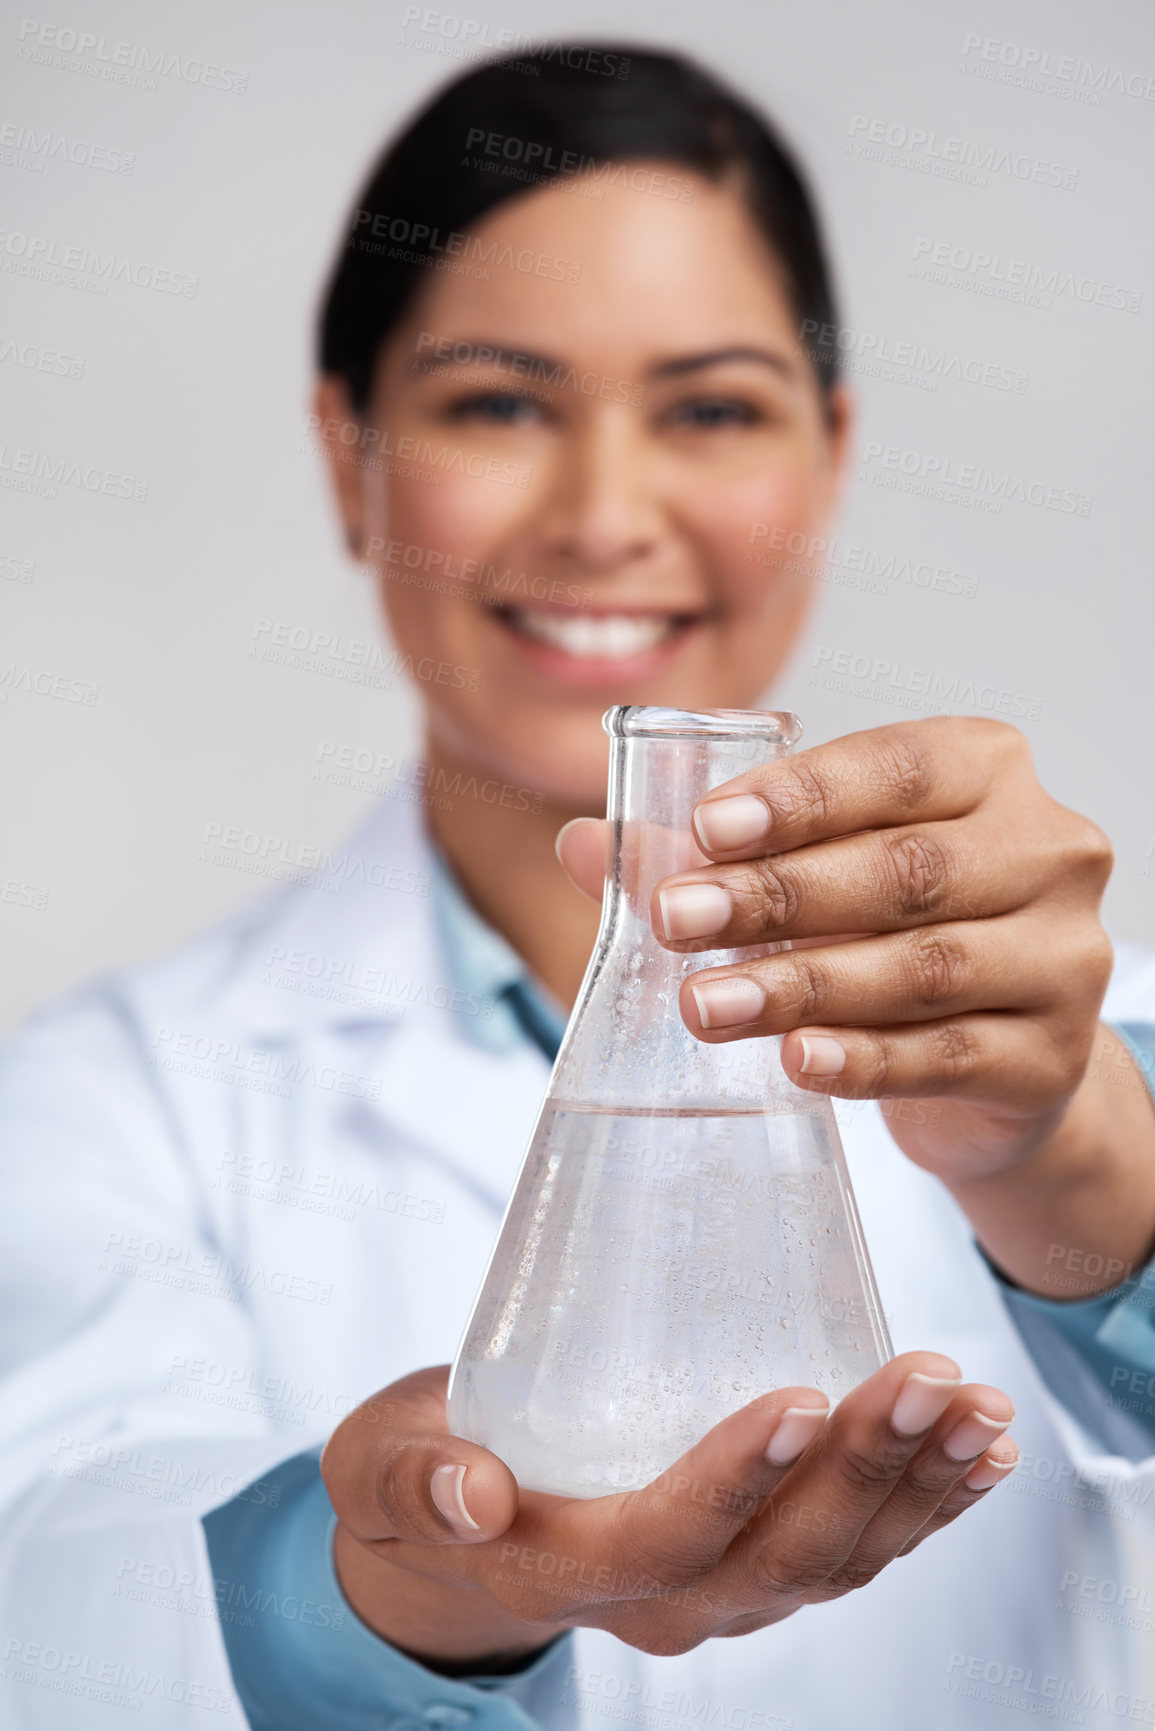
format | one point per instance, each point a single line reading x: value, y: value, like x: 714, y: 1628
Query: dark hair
x: 598, y: 104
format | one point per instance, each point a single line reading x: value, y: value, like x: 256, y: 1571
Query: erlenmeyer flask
x: 683, y: 1236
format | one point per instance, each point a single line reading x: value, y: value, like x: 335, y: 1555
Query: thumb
x: 393, y: 1471
x: 582, y: 846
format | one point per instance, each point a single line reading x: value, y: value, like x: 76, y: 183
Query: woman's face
x: 578, y: 483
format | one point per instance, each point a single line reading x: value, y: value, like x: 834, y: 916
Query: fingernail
x: 725, y: 1003
x: 988, y: 1473
x: 921, y: 1400
x: 721, y: 825
x: 972, y: 1436
x: 693, y: 910
x: 445, y: 1487
x: 794, y: 1432
x: 821, y: 1055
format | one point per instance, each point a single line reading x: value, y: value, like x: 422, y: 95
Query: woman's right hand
x: 777, y: 1507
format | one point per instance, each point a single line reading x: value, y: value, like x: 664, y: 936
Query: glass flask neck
x: 626, y: 1043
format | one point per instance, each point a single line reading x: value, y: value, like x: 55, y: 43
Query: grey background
x: 106, y: 805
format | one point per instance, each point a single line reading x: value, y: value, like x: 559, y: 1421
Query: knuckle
x: 778, y: 897
x: 906, y: 769
x: 1093, y: 851
x: 954, y: 1050
x: 663, y: 1641
x: 877, y: 1061
x: 856, y: 1572
x: 393, y: 1491
x: 810, y: 988
x: 937, y: 966
x: 809, y: 795
x: 920, y: 872
x: 659, y: 1561
x: 775, y: 1577
x: 867, y: 1474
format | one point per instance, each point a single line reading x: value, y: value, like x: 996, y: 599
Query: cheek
x: 754, y: 527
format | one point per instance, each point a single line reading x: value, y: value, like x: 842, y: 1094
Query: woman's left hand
x: 948, y: 961
x: 979, y: 965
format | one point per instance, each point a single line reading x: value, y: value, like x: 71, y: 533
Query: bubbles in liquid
x: 648, y: 1281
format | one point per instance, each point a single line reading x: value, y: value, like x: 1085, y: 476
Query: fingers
x: 393, y: 1471
x: 981, y: 1478
x: 956, y: 1447
x: 912, y: 772
x: 677, y: 1528
x: 814, y: 1520
x: 921, y: 975
x: 998, y: 1059
x: 581, y: 847
x: 878, y: 881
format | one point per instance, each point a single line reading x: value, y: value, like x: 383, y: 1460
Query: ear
x: 334, y: 413
x: 841, y: 418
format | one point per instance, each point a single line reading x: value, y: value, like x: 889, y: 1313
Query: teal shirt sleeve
x: 1097, y: 1355
x: 301, y: 1659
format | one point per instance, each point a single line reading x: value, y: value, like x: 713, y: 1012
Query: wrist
x: 445, y: 1627
x: 1081, y: 1201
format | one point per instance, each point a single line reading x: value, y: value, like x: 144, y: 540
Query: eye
x: 499, y: 408
x: 703, y: 414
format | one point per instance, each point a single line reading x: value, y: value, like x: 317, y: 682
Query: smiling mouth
x: 597, y: 636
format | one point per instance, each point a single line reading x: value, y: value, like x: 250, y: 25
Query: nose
x: 602, y: 511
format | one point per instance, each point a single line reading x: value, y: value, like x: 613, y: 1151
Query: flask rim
x: 646, y: 721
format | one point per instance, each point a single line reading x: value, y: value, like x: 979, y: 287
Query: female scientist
x: 252, y: 1188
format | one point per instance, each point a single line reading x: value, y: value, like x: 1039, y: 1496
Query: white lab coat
x: 254, y: 1182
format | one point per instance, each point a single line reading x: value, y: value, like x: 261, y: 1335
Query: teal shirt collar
x: 481, y: 961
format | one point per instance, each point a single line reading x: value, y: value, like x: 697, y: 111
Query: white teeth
x: 590, y: 637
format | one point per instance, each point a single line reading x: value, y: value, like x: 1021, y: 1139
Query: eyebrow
x: 484, y: 353
x: 715, y: 357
